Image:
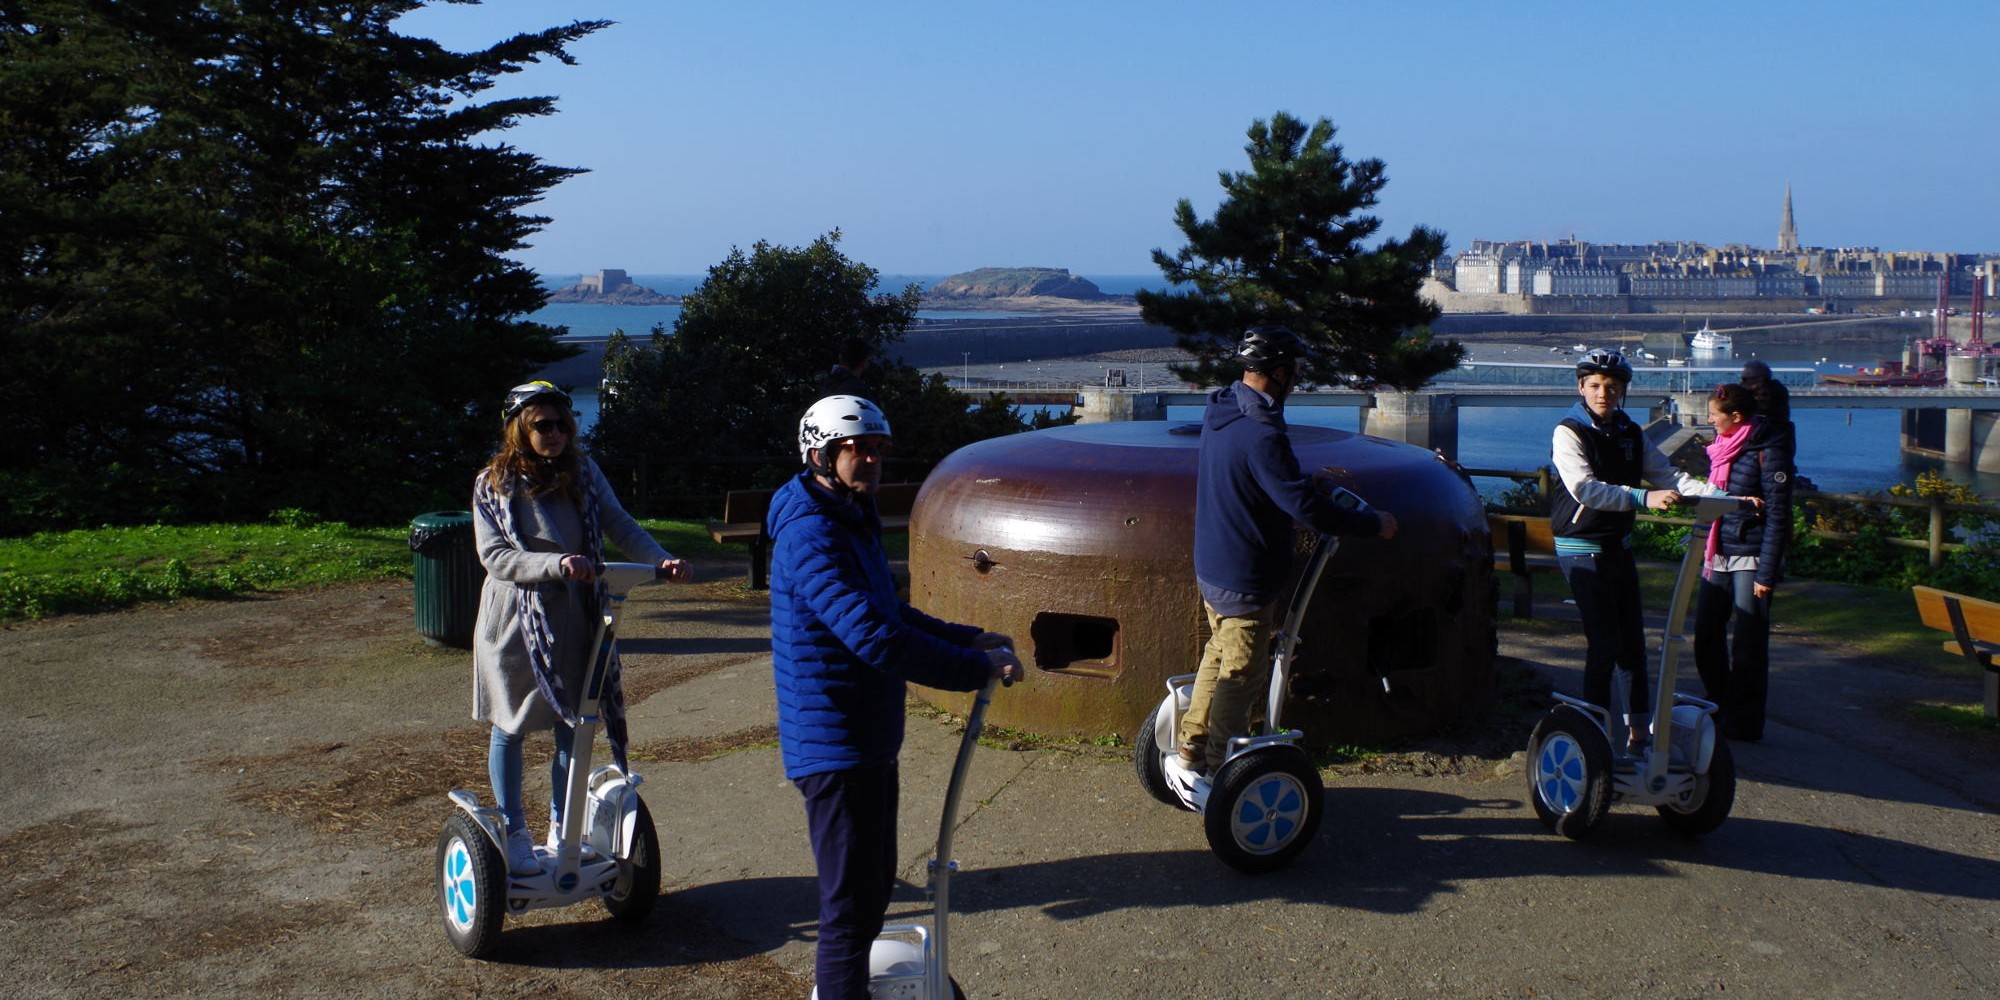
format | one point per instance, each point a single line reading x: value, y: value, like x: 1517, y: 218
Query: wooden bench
x: 743, y: 513
x: 1523, y: 546
x: 1975, y: 628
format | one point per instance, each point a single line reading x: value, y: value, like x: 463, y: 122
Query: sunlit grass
x: 101, y: 569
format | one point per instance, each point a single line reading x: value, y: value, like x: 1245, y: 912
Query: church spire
x: 1788, y: 233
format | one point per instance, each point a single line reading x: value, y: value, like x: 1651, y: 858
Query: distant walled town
x: 1576, y: 276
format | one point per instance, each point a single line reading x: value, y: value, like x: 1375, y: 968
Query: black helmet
x: 1266, y: 347
x: 1604, y: 362
x: 529, y: 392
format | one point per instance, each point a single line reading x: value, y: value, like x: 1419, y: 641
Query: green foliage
x: 257, y: 258
x: 93, y: 570
x: 65, y: 572
x: 1286, y: 245
x: 746, y: 358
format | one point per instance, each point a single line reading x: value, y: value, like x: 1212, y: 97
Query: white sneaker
x: 521, y: 859
x: 1191, y: 785
x: 555, y: 837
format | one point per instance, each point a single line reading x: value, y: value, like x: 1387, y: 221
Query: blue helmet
x: 1604, y: 362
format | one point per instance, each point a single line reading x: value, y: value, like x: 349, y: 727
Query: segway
x: 1262, y: 806
x: 909, y: 961
x: 1686, y: 772
x: 606, y: 849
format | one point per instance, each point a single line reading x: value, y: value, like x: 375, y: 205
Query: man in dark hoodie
x: 842, y: 646
x: 1249, y: 490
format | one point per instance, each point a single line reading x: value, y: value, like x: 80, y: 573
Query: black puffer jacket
x: 1764, y: 469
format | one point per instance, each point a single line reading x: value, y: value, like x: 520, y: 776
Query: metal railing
x: 1935, y: 546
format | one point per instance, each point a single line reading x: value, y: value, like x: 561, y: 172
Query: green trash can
x: 448, y: 577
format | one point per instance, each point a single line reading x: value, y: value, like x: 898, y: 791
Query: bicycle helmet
x: 528, y: 392
x: 1266, y: 347
x: 837, y: 418
x: 1604, y: 362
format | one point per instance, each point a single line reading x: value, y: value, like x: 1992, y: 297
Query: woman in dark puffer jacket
x: 1744, y: 559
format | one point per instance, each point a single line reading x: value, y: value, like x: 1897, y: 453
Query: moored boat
x: 1706, y: 339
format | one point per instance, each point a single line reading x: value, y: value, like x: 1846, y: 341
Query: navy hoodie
x: 842, y: 642
x: 1248, y: 492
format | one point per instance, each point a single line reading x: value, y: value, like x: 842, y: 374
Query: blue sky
x: 940, y: 137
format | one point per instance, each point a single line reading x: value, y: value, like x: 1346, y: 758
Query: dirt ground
x: 242, y: 798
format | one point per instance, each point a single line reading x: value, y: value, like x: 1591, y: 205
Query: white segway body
x: 607, y: 848
x: 1262, y: 806
x: 1686, y: 773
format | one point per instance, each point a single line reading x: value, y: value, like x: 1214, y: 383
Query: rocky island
x: 611, y: 287
x: 1018, y: 288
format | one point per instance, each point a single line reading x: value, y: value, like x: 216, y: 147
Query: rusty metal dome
x: 1078, y: 542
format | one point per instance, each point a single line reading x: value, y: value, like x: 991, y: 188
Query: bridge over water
x: 1957, y: 422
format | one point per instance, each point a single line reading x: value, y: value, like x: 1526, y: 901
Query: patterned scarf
x: 1722, y: 453
x: 535, y: 620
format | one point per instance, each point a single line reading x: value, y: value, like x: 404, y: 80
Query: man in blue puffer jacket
x: 842, y: 646
x: 1249, y: 490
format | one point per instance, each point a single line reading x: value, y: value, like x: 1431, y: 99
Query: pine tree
x: 256, y: 258
x: 1287, y: 245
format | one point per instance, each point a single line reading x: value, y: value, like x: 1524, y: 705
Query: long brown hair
x: 516, y: 465
x: 1729, y: 397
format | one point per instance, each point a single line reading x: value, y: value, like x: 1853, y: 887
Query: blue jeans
x: 1606, y: 587
x: 1735, y: 669
x: 503, y: 768
x: 851, y: 818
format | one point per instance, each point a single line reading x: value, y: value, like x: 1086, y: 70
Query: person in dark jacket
x: 846, y: 377
x: 1249, y: 490
x: 842, y: 646
x: 1604, y: 461
x: 1743, y: 561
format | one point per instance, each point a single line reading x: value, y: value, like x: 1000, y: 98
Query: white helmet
x: 837, y: 418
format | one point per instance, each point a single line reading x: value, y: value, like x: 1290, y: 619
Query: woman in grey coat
x: 540, y: 510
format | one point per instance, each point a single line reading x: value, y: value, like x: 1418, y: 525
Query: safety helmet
x: 1604, y: 362
x: 837, y: 418
x: 528, y: 392
x: 1266, y: 347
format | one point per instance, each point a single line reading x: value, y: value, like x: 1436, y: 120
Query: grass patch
x: 102, y: 569
x: 1966, y: 718
x: 1878, y: 623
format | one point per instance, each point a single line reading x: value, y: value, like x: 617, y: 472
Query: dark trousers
x: 1736, y: 669
x: 1606, y: 587
x: 851, y: 818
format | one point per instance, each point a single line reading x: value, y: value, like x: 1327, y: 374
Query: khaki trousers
x: 1231, y: 681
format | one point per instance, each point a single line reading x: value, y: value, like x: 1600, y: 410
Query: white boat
x: 1706, y: 339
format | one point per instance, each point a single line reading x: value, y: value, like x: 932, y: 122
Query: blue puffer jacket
x: 1248, y: 491
x: 842, y: 643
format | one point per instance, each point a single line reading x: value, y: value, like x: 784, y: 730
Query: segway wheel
x: 472, y: 887
x: 1149, y: 757
x: 1569, y: 773
x: 1263, y: 809
x: 1708, y: 803
x: 632, y: 897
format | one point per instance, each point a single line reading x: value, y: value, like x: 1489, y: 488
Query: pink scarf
x: 1721, y: 452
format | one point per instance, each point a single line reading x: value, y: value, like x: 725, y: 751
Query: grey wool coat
x: 549, y: 527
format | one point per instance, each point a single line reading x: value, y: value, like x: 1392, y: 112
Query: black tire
x: 638, y: 888
x: 957, y: 991
x: 1148, y: 759
x: 1713, y: 795
x: 472, y: 887
x: 1263, y: 809
x: 1569, y: 773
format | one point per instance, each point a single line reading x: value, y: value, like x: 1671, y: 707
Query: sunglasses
x: 548, y: 425
x: 866, y: 449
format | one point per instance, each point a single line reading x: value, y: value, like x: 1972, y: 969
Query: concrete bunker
x: 1078, y: 542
